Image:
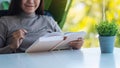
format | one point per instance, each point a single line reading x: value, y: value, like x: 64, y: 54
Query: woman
x: 26, y: 24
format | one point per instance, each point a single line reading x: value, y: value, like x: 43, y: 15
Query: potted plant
x: 107, y: 32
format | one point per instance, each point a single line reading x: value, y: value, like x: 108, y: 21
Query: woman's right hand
x: 17, y: 38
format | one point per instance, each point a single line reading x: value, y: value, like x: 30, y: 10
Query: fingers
x: 80, y: 39
x: 22, y: 33
x: 19, y: 34
x: 65, y: 38
x: 17, y: 38
x: 25, y: 31
x: 77, y: 44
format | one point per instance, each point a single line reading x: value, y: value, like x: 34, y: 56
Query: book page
x: 71, y: 36
x: 44, y: 44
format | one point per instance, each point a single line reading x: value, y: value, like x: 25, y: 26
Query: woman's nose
x: 31, y: 1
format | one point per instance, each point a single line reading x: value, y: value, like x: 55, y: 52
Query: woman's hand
x: 17, y: 38
x: 77, y: 44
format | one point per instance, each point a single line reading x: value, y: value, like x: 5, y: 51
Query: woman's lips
x: 29, y: 5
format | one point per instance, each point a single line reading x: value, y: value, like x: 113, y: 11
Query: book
x: 54, y: 40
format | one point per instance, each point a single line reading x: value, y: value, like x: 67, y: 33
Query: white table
x: 84, y: 58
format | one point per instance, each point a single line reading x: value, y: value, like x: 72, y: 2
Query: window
x: 4, y: 4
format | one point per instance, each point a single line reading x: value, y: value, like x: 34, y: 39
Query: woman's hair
x: 15, y: 7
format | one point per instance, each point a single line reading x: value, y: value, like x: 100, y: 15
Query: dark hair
x: 15, y: 8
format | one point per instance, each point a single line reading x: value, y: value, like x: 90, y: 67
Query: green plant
x: 105, y: 28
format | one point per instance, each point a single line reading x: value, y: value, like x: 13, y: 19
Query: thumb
x: 20, y: 41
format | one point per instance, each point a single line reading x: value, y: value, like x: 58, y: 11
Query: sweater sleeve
x: 56, y: 28
x: 4, y: 49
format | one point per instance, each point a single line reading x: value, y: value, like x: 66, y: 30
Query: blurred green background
x: 84, y: 14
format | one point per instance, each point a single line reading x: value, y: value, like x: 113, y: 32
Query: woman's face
x: 30, y: 6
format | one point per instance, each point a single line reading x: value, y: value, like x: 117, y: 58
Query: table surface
x: 84, y: 58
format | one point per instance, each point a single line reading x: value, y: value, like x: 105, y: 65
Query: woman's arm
x: 6, y: 49
x: 3, y: 32
x: 18, y: 37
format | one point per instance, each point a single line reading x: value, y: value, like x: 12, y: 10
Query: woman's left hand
x: 77, y: 44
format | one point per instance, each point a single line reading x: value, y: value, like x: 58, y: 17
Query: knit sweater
x: 36, y: 26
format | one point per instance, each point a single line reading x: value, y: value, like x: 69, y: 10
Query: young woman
x: 25, y: 25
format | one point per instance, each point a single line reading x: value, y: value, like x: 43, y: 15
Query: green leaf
x: 106, y: 28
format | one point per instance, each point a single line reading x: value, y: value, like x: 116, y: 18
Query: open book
x: 53, y: 41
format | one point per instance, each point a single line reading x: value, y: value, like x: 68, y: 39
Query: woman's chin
x: 29, y: 12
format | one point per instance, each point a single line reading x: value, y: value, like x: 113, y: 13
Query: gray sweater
x: 36, y: 25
